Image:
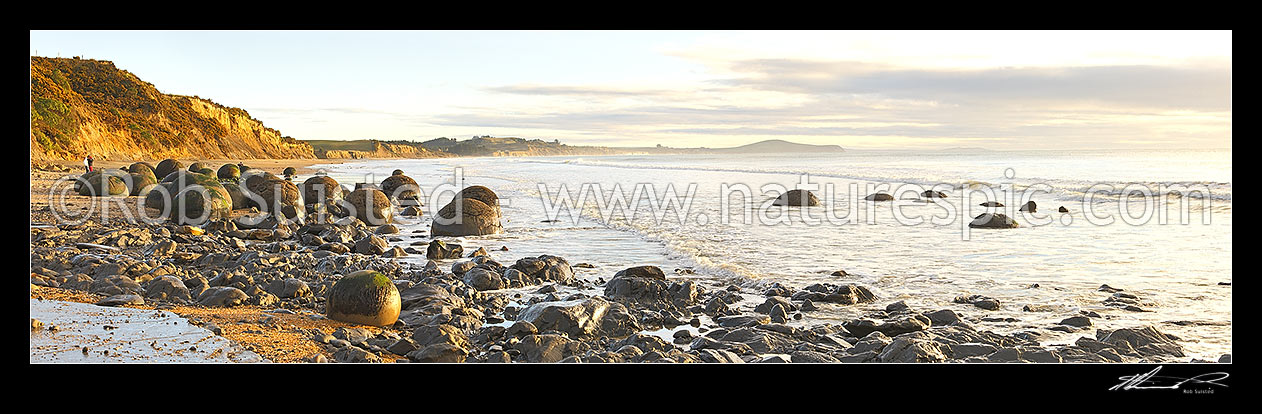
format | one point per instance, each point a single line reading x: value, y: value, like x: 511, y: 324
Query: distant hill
x: 371, y: 148
x: 488, y: 146
x: 90, y: 107
x: 483, y: 146
x: 779, y: 146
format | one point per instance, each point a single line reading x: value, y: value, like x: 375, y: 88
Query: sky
x: 999, y: 90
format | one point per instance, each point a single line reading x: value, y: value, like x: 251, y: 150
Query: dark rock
x: 1077, y: 321
x: 980, y: 301
x: 993, y: 221
x: 482, y: 279
x: 542, y: 348
x: 119, y: 300
x: 879, y: 197
x: 371, y: 245
x: 577, y: 318
x: 439, y: 250
x: 912, y: 348
x: 812, y: 357
x: 222, y: 296
x: 796, y: 198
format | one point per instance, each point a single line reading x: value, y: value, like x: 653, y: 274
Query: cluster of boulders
x: 428, y: 314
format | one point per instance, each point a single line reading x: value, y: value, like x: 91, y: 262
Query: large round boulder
x: 371, y: 206
x: 237, y: 195
x: 196, y: 167
x: 199, y: 204
x: 190, y: 198
x: 796, y: 198
x: 466, y: 217
x: 400, y: 187
x: 166, y: 167
x: 365, y: 297
x: 275, y: 193
x: 229, y: 171
x: 141, y: 182
x: 483, y: 194
x: 140, y: 167
x: 101, y: 183
x: 321, y: 189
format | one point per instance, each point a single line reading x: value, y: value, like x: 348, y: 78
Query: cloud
x: 575, y: 90
x: 1193, y: 87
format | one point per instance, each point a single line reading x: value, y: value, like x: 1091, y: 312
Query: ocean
x: 1155, y: 223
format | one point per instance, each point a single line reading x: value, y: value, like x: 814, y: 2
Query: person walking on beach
x: 87, y: 164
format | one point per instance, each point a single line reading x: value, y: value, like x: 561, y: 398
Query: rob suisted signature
x: 1152, y: 381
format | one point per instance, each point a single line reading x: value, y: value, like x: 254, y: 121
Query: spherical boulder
x: 321, y: 189
x: 1030, y: 207
x: 190, y: 198
x: 400, y: 187
x: 141, y: 182
x: 466, y: 217
x: 933, y: 194
x: 365, y: 297
x: 201, y: 203
x: 140, y: 167
x: 237, y: 195
x: 397, y: 172
x: 196, y: 167
x: 166, y: 167
x: 483, y: 194
x: 275, y: 193
x: 370, y: 205
x: 100, y: 183
x: 229, y: 172
x: 796, y: 198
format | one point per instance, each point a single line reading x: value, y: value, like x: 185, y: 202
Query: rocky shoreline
x: 471, y: 307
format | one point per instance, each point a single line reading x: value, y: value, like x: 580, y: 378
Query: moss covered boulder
x: 177, y: 176
x: 200, y: 204
x: 166, y: 167
x: 189, y: 198
x: 466, y: 217
x: 370, y: 205
x: 365, y: 297
x: 196, y: 167
x: 229, y: 172
x: 100, y: 184
x: 289, y: 172
x: 321, y: 189
x: 142, y: 167
x: 141, y: 182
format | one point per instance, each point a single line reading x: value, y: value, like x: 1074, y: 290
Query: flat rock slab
x: 124, y: 335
